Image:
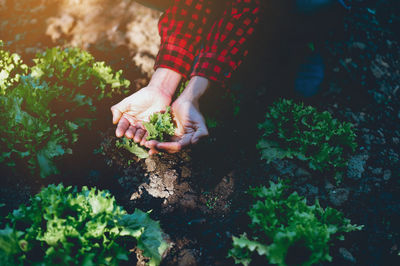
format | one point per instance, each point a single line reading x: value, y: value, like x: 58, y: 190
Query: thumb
x: 117, y: 111
x: 201, y: 132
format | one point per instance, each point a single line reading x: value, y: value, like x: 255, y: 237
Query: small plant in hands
x: 43, y: 106
x: 159, y: 127
x: 64, y: 226
x: 293, y: 130
x: 287, y: 231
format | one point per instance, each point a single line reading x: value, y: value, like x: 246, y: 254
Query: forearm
x: 166, y: 80
x: 196, y: 87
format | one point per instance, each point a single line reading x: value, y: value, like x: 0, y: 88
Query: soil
x: 199, y: 195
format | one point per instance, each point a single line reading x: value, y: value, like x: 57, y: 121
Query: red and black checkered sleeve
x: 225, y: 45
x: 181, y: 28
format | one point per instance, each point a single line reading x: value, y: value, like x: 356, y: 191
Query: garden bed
x: 199, y: 195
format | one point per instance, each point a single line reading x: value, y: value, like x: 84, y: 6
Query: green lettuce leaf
x: 62, y: 224
x: 150, y: 239
x: 284, y: 226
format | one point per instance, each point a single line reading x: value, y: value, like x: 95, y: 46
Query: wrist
x: 166, y: 80
x: 196, y: 87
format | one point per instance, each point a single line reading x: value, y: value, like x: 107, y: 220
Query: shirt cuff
x: 214, y: 67
x: 176, y: 58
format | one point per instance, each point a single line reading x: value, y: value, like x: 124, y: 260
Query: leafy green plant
x: 287, y: 231
x: 11, y: 69
x: 64, y: 226
x: 44, y: 106
x: 293, y: 130
x: 131, y: 146
x: 159, y: 127
x: 75, y: 69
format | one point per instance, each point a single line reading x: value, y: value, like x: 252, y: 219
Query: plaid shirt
x: 214, y: 30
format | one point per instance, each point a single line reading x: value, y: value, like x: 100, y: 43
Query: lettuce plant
x: 293, y: 130
x: 287, y: 231
x: 159, y: 127
x: 11, y: 69
x: 62, y: 225
x: 77, y: 70
x: 44, y: 106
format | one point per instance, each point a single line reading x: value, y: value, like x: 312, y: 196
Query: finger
x: 151, y: 144
x: 185, y: 140
x: 175, y: 139
x: 176, y: 146
x: 123, y: 125
x: 139, y: 135
x: 153, y: 151
x: 116, y: 113
x: 130, y: 133
x: 130, y: 119
x: 170, y: 147
x: 179, y: 131
x: 143, y: 141
x: 200, y: 133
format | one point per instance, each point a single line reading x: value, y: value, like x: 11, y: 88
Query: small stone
x: 365, y: 130
x: 380, y: 141
x: 359, y: 45
x: 347, y: 255
x: 393, y: 156
x: 367, y: 138
x: 387, y: 174
x: 356, y: 166
x: 339, y: 196
x: 136, y: 195
x: 377, y: 171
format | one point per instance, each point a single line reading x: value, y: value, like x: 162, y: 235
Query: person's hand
x: 133, y: 110
x: 190, y: 122
x: 190, y: 127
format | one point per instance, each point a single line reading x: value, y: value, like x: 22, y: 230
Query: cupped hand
x: 133, y: 110
x: 190, y: 124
